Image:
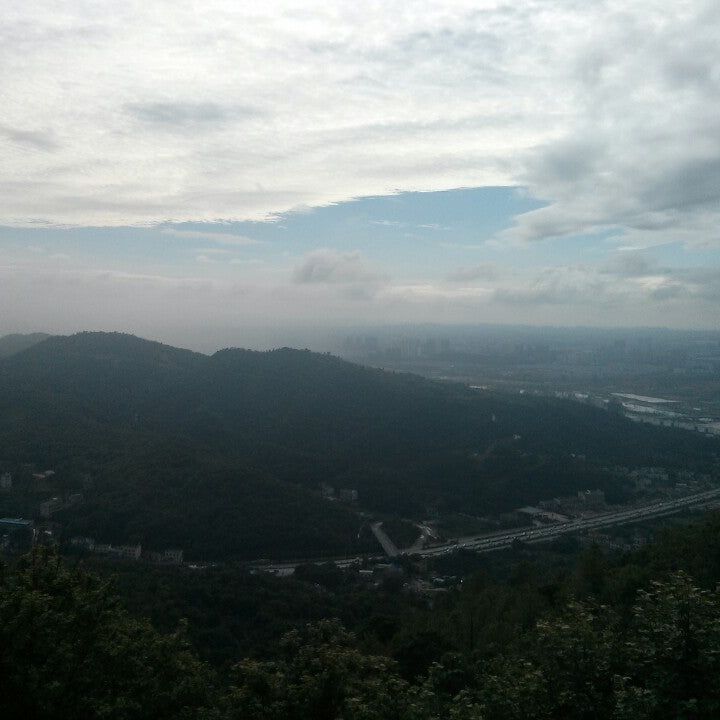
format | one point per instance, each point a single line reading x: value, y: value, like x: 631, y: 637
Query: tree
x: 68, y: 650
x: 673, y: 651
x: 322, y: 676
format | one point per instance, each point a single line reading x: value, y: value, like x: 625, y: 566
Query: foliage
x: 68, y: 650
x: 321, y: 675
x: 15, y: 343
x: 223, y: 455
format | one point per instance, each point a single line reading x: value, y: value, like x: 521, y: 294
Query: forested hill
x: 15, y: 343
x: 223, y: 455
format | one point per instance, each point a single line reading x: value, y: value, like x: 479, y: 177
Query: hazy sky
x: 185, y: 164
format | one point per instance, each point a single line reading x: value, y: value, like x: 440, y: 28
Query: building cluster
x: 121, y: 552
x: 646, y: 477
x: 662, y: 480
x: 54, y: 504
x: 611, y: 542
x: 561, y: 509
x: 539, y: 515
x: 395, y: 347
x: 16, y: 534
x: 328, y: 492
x: 172, y: 556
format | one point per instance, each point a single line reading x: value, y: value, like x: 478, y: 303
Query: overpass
x: 503, y: 539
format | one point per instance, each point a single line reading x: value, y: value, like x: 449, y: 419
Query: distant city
x: 663, y: 377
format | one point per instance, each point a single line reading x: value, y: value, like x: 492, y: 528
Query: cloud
x: 663, y: 281
x: 430, y: 293
x: 632, y: 283
x: 484, y: 271
x: 189, y: 115
x: 567, y: 286
x: 330, y: 286
x: 215, y: 237
x: 43, y: 140
x: 327, y: 266
x: 417, y: 226
x: 246, y: 261
x: 604, y: 109
x: 630, y: 264
x: 218, y: 252
x: 640, y: 151
x: 607, y: 111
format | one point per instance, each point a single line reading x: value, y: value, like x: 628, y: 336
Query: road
x: 382, y: 537
x: 503, y: 539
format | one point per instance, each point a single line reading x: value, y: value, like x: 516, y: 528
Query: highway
x: 503, y: 539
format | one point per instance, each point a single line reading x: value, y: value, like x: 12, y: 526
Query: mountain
x: 11, y: 344
x: 223, y: 455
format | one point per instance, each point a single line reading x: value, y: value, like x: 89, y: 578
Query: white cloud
x: 641, y: 153
x: 215, y: 237
x: 328, y: 266
x: 483, y: 271
x: 68, y: 296
x: 217, y: 252
x: 246, y: 261
x: 184, y: 111
x: 430, y: 293
x: 179, y: 112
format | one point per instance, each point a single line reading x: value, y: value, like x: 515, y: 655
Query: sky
x: 175, y: 166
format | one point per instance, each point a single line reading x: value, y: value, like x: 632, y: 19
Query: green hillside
x: 15, y: 343
x: 223, y: 455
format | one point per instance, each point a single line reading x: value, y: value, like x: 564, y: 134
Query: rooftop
x: 15, y: 522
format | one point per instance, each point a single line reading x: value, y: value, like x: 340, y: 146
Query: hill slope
x: 15, y: 343
x: 223, y: 455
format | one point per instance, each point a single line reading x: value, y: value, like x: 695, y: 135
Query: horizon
x: 331, y: 338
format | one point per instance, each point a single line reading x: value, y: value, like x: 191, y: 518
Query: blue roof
x: 15, y: 522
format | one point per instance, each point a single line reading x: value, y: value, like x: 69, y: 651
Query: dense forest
x: 224, y: 455
x: 634, y: 636
x: 13, y: 344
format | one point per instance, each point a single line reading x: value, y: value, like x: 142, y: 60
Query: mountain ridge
x: 224, y: 454
x: 17, y: 342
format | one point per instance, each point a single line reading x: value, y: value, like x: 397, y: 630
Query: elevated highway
x: 503, y: 539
